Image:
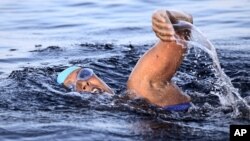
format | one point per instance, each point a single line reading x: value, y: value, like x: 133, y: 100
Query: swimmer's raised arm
x: 163, y: 20
x: 152, y: 75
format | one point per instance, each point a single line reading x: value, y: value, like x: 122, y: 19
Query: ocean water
x: 40, y: 38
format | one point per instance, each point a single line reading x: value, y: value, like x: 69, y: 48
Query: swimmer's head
x: 82, y: 80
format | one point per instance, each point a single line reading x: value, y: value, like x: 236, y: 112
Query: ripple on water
x: 34, y: 107
x: 33, y: 89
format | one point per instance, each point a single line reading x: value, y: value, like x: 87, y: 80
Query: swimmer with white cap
x: 151, y: 77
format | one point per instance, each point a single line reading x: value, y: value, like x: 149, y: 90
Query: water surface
x: 40, y: 38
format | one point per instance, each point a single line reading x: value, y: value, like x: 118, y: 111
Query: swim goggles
x: 84, y: 74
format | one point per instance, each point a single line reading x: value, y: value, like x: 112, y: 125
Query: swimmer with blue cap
x: 82, y: 80
x: 151, y: 77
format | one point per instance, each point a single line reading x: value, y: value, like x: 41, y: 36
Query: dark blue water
x: 40, y: 38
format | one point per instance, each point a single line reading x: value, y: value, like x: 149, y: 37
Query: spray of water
x: 227, y: 93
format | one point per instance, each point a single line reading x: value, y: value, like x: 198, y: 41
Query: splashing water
x: 223, y: 87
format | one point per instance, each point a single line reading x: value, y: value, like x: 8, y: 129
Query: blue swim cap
x: 64, y: 74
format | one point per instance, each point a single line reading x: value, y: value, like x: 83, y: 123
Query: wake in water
x: 223, y: 87
x: 31, y: 98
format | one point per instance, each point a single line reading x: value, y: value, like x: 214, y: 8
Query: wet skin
x: 151, y: 77
x: 94, y: 84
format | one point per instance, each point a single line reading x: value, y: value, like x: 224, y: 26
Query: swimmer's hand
x: 162, y: 26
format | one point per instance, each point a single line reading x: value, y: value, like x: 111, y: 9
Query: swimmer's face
x: 93, y: 84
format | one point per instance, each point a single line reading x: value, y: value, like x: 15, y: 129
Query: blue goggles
x: 85, y: 74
